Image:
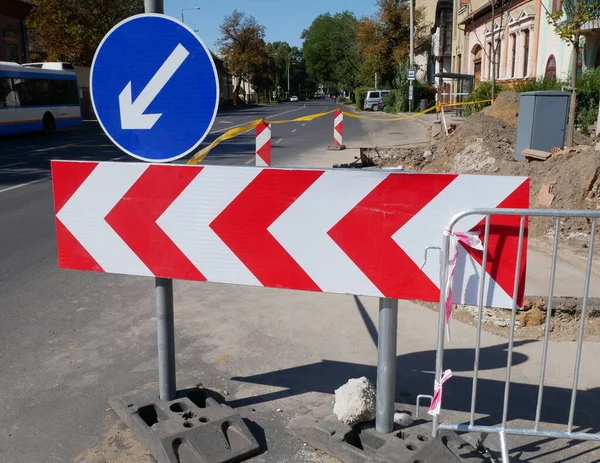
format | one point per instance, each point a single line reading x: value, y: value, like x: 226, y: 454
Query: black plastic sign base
x: 194, y: 428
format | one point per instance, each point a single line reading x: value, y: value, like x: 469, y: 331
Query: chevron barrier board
x: 359, y: 232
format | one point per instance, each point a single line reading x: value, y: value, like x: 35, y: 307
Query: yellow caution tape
x: 463, y: 103
x: 200, y: 155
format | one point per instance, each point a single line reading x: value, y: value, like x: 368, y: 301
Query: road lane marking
x: 303, y: 124
x: 279, y: 141
x: 14, y: 187
x: 250, y: 161
x: 294, y: 130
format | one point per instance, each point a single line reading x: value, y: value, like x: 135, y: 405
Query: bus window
x: 7, y: 96
x: 43, y: 92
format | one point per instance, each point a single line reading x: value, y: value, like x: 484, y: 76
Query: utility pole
x: 288, y: 73
x: 494, y: 54
x: 573, y: 89
x: 412, y: 54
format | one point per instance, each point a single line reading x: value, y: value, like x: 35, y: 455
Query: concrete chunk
x: 355, y: 401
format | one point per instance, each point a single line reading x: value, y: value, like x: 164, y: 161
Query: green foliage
x: 244, y: 49
x: 330, y: 49
x: 588, y: 92
x: 392, y: 101
x: 71, y: 30
x: 567, y: 20
x: 482, y: 92
x: 359, y: 97
x: 540, y: 84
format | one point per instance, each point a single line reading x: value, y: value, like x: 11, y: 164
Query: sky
x: 284, y: 20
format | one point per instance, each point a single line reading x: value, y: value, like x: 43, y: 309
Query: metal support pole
x: 386, y: 364
x: 154, y: 6
x: 165, y: 325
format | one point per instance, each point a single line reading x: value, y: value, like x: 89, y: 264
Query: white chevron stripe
x: 337, y: 137
x: 261, y: 139
x: 84, y: 214
x: 302, y: 230
x: 339, y: 118
x: 187, y: 222
x: 425, y: 229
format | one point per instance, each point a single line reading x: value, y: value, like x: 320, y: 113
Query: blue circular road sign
x: 154, y: 87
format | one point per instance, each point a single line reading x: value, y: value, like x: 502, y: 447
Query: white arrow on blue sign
x: 154, y: 87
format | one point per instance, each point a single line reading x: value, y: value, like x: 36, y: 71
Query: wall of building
x: 12, y: 39
x: 515, y: 33
x: 551, y: 44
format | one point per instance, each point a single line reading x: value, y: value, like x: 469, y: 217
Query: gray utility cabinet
x: 542, y: 120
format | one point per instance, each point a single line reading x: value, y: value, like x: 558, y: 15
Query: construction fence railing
x: 441, y: 375
x: 232, y: 133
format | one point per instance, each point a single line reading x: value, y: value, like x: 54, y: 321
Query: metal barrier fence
x: 502, y: 430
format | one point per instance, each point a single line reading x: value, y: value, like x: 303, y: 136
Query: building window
x: 447, y: 37
x: 12, y: 52
x: 476, y: 53
x: 489, y: 54
x: 514, y: 54
x: 498, y: 57
x: 459, y: 59
x: 525, y: 52
x: 551, y: 68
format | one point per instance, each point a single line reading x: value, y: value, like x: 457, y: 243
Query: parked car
x: 372, y: 99
x: 294, y: 98
x: 381, y: 104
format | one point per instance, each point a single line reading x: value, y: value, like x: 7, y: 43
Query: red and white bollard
x: 263, y: 144
x: 338, y: 127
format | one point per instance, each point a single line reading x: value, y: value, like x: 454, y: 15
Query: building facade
x: 502, y: 41
x: 13, y: 33
x: 511, y: 39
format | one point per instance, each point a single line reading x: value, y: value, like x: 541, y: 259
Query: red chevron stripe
x: 503, y: 244
x: 365, y: 234
x: 67, y: 177
x: 243, y: 227
x: 134, y: 220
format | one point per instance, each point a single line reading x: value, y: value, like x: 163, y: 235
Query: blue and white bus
x: 34, y: 99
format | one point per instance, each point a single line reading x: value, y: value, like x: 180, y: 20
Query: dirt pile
x: 476, y: 146
x: 505, y: 107
x: 483, y: 144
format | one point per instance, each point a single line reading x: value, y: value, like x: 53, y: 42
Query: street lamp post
x: 186, y: 9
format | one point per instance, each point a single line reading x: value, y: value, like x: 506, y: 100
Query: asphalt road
x: 26, y: 159
x: 69, y: 340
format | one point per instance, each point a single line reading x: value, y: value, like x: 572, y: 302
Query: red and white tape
x: 471, y: 240
x: 436, y: 402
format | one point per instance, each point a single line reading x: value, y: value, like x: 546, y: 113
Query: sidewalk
x: 406, y: 133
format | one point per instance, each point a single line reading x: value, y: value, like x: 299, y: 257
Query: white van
x: 373, y: 97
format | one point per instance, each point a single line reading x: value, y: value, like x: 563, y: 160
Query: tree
x: 71, y: 30
x: 569, y: 30
x: 243, y: 46
x: 330, y: 51
x: 384, y: 39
